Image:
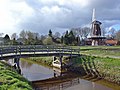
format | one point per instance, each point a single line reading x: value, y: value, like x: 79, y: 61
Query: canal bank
x: 11, y: 80
x: 97, y: 67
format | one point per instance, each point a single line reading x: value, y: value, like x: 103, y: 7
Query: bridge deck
x: 35, y: 51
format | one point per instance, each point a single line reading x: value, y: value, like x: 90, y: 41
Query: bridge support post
x: 61, y: 63
x: 57, y: 62
x: 54, y: 58
x: 17, y: 64
x: 1, y: 51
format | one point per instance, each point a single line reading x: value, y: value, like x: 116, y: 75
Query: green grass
x: 93, y: 47
x: 41, y: 60
x: 103, y: 51
x: 109, y: 64
x: 110, y: 67
x: 11, y: 80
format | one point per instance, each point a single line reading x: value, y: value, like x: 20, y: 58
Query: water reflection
x: 35, y: 72
x: 87, y: 85
x: 68, y: 84
x: 25, y: 64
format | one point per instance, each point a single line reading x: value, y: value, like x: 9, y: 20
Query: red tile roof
x: 113, y: 42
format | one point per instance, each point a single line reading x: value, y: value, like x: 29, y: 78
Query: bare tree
x: 111, y: 33
x: 14, y: 36
x: 76, y: 31
x: 85, y: 31
x: 36, y: 35
x: 118, y: 35
x: 1, y: 34
x: 23, y: 34
x: 82, y: 32
x: 57, y: 35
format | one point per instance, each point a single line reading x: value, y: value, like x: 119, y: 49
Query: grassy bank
x: 11, y: 80
x: 42, y: 60
x: 101, y: 60
x: 106, y: 68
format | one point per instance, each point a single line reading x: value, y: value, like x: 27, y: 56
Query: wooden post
x: 60, y: 58
x: 18, y: 59
x: 1, y: 52
x: 34, y: 50
x: 71, y: 54
x: 47, y: 50
x: 15, y: 51
x: 20, y: 50
x: 17, y: 64
x: 79, y: 51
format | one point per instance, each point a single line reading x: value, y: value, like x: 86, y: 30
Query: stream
x: 48, y: 78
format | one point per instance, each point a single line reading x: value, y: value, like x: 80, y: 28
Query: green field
x: 101, y: 51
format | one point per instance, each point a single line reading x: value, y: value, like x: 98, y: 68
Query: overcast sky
x: 58, y: 15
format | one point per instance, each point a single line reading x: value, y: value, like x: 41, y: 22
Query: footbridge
x: 21, y: 51
x: 17, y: 52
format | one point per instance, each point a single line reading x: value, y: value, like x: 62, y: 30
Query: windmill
x: 96, y: 34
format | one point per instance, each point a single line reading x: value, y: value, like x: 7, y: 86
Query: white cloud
x: 11, y: 14
x: 80, y: 3
x: 42, y: 15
